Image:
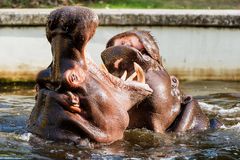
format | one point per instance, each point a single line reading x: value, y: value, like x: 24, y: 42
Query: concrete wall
x: 194, y: 44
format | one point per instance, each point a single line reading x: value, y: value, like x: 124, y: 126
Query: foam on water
x: 25, y: 136
x: 235, y: 127
x: 219, y: 110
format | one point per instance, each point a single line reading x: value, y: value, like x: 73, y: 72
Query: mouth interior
x: 124, y: 62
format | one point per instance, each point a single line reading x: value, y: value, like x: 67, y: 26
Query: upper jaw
x: 135, y: 61
x: 61, y: 56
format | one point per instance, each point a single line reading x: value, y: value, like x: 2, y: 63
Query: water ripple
x: 224, y: 143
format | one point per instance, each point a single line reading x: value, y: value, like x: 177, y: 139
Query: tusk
x: 140, y: 74
x: 132, y: 77
x: 103, y: 67
x: 70, y: 94
x: 75, y: 104
x: 73, y: 100
x: 124, y: 76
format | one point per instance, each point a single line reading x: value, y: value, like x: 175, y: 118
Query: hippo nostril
x: 174, y: 80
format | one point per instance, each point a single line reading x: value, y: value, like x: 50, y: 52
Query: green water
x: 217, y: 99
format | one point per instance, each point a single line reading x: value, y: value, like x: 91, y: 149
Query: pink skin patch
x: 131, y: 41
x: 116, y: 63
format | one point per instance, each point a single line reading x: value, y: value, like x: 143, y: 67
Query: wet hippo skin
x: 167, y: 109
x: 75, y: 99
x: 151, y: 113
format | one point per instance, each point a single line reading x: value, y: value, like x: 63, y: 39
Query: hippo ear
x: 149, y: 44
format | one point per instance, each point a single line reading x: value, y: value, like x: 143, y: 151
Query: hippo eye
x: 122, y: 43
x: 65, y: 28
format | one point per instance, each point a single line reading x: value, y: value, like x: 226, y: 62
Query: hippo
x: 75, y: 99
x: 168, y: 109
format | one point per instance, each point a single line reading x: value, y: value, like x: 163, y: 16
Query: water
x: 217, y: 99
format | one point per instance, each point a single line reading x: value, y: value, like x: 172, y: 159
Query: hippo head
x: 131, y: 46
x: 134, y: 49
x: 140, y: 39
x: 76, y: 99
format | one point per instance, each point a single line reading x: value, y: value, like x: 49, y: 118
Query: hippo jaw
x: 123, y: 61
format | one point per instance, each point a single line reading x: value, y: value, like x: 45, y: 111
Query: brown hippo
x: 167, y: 109
x: 75, y: 99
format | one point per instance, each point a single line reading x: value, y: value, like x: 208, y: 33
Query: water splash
x: 25, y: 136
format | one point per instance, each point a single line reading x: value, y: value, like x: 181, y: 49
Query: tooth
x: 70, y: 94
x: 140, y: 74
x: 73, y: 100
x: 76, y: 105
x: 132, y: 77
x: 103, y: 67
x: 124, y: 76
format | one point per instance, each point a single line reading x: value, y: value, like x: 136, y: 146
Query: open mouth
x: 138, y: 75
x: 76, y: 77
x: 125, y: 62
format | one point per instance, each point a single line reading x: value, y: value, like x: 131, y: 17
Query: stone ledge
x: 133, y: 17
